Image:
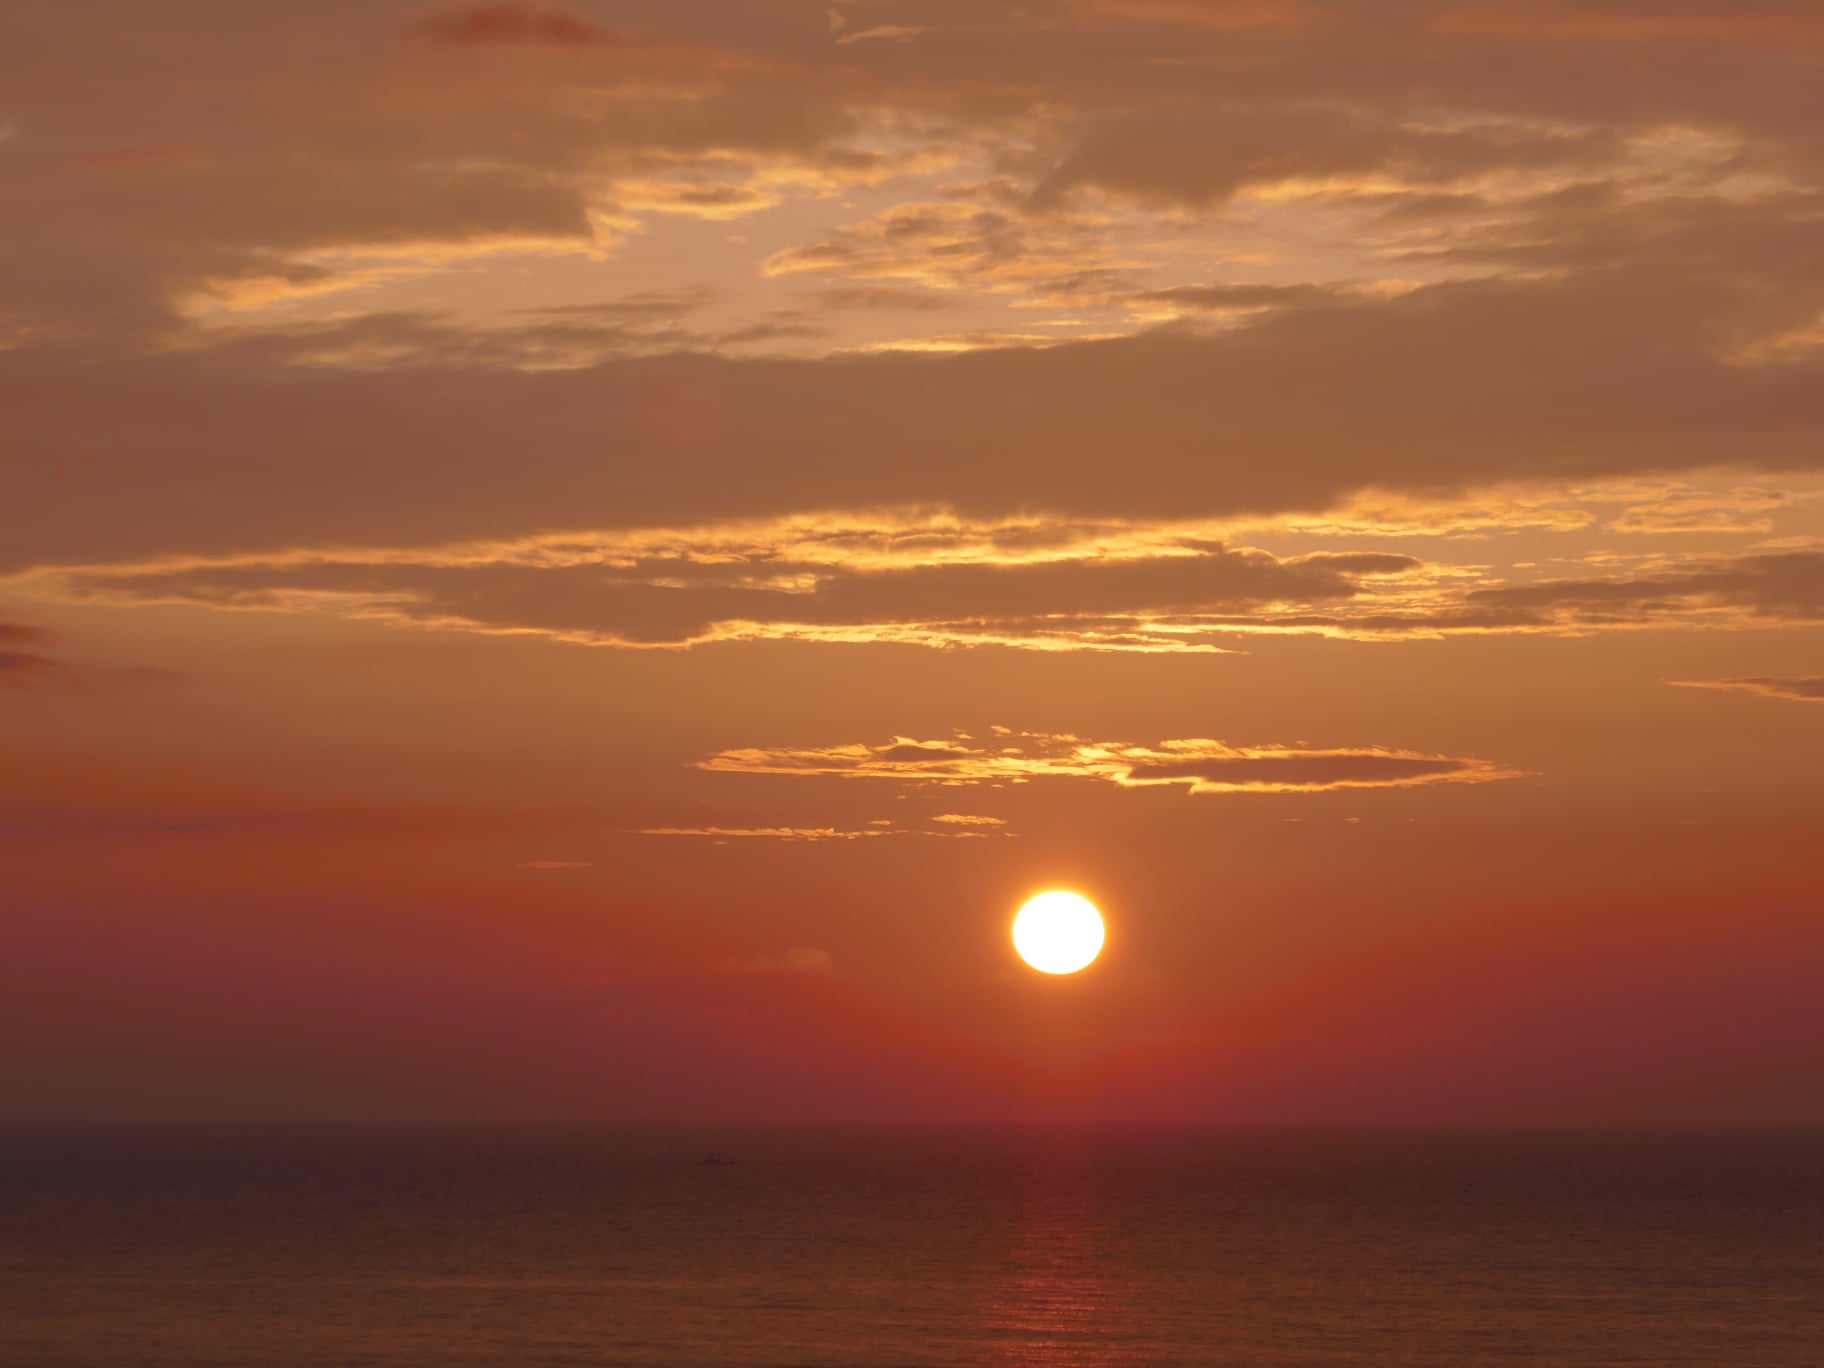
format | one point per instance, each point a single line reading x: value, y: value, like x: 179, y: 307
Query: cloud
x: 1777, y: 588
x: 1169, y: 158
x: 1800, y: 689
x: 137, y: 157
x: 643, y: 306
x: 813, y: 835
x: 1217, y: 15
x: 1759, y: 26
x: 340, y: 137
x: 721, y: 834
x: 1443, y: 263
x: 969, y: 820
x: 1104, y: 429
x: 799, y: 961
x: 1230, y: 299
x: 963, y: 244
x: 884, y: 297
x: 19, y: 668
x: 342, y: 141
x: 891, y: 33
x: 22, y: 668
x: 560, y: 337
x: 596, y: 592
x: 925, y: 577
x: 1742, y: 509
x: 1198, y: 766
x: 521, y: 23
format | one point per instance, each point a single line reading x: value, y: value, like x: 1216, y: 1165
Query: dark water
x: 913, y: 1248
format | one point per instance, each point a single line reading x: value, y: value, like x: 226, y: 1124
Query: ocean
x: 876, y: 1248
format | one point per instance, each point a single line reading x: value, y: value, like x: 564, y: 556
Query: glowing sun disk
x: 1058, y: 932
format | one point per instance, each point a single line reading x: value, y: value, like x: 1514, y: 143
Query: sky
x: 578, y: 561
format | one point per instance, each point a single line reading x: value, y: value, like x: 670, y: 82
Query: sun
x: 1058, y: 932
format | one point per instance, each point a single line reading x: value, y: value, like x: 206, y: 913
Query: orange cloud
x: 1803, y: 690
x: 1169, y: 158
x: 935, y: 578
x: 965, y: 244
x: 721, y: 834
x: 1221, y: 15
x: 1101, y: 595
x: 884, y: 827
x: 890, y: 33
x: 1200, y: 766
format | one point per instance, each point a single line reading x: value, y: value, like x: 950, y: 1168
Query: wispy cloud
x: 802, y: 960
x: 1801, y: 689
x: 520, y: 23
x: 1199, y: 766
x: 889, y: 33
x: 21, y: 667
x: 722, y: 834
x: 954, y: 829
x: 23, y: 664
x: 932, y: 578
x: 1219, y: 15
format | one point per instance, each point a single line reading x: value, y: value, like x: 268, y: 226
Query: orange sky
x: 579, y: 560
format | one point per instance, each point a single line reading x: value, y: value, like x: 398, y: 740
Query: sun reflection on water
x: 1055, y: 1306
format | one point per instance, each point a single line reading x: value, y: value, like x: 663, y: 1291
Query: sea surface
x: 270, y: 1249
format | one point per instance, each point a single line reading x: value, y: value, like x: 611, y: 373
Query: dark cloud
x: 1632, y: 314
x: 13, y: 633
x: 1784, y: 587
x: 21, y: 667
x: 922, y: 751
x: 1170, y: 158
x: 643, y: 307
x: 884, y: 297
x: 206, y: 142
x: 1441, y: 389
x: 521, y: 23
x: 319, y: 130
x: 1358, y: 562
x: 674, y: 601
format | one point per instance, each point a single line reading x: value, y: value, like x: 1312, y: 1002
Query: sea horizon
x: 937, y: 1246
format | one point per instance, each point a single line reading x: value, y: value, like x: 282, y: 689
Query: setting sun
x: 1058, y: 932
